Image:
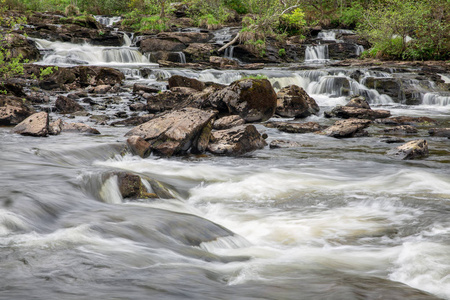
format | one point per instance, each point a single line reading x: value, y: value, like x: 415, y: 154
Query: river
x: 332, y: 219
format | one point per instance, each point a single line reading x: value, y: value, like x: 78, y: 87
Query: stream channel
x: 331, y: 219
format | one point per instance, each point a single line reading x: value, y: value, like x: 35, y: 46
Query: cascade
x: 229, y: 52
x: 107, y: 21
x: 316, y: 54
x: 182, y: 57
x: 359, y: 50
x: 327, y: 35
x: 127, y: 41
x: 438, y: 99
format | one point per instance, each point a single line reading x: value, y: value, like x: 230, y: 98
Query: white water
x: 107, y: 21
x: 61, y: 53
x: 316, y: 54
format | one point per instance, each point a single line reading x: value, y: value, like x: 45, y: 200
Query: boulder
x: 236, y: 141
x: 199, y: 52
x: 185, y: 37
x: 348, y: 112
x: 293, y: 101
x: 402, y: 129
x: 144, y: 88
x: 181, y: 81
x: 411, y: 150
x: 79, y: 127
x: 155, y: 44
x: 406, y: 120
x: 13, y: 110
x: 20, y: 46
x: 295, y: 127
x: 167, y: 100
x: 138, y: 106
x: 55, y: 127
x: 67, y: 105
x: 223, y: 62
x: 359, y: 102
x: 253, y: 100
x: 348, y: 128
x: 228, y: 122
x: 392, y: 140
x: 102, y: 89
x: 34, y: 125
x: 174, y: 132
x: 440, y: 132
x: 275, y: 144
x: 139, y: 146
x: 132, y: 187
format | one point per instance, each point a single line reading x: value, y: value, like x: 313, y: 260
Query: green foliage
x: 408, y: 29
x: 353, y: 15
x: 47, y: 71
x: 282, y: 52
x: 208, y: 13
x: 153, y: 23
x: 71, y: 10
x: 293, y: 22
x: 240, y: 6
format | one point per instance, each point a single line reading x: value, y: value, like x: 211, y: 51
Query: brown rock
x: 145, y: 88
x: 139, y: 146
x: 67, y: 105
x: 154, y: 44
x: 252, y: 99
x: 441, y: 132
x: 236, y: 141
x: 402, y: 129
x: 293, y: 101
x: 348, y: 112
x: 405, y: 120
x: 185, y: 37
x: 223, y: 62
x: 34, y: 125
x: 275, y: 144
x: 174, y: 132
x: 181, y: 81
x: 102, y: 89
x: 55, y: 128
x: 13, y: 110
x: 348, y: 128
x: 295, y: 127
x: 411, y: 150
x: 79, y: 127
x: 133, y: 121
x: 359, y: 102
x: 198, y: 52
x: 228, y: 122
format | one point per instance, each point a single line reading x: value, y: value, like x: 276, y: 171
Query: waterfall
x: 359, y: 50
x: 126, y: 40
x: 229, y: 52
x: 327, y: 35
x: 107, y: 21
x: 182, y: 57
x: 317, y: 53
x: 436, y: 99
x: 61, y: 53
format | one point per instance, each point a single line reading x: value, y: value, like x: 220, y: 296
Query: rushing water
x: 331, y: 219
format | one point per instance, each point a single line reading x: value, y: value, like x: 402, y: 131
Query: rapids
x: 332, y: 219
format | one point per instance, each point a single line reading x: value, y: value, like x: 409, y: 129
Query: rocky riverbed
x: 153, y: 165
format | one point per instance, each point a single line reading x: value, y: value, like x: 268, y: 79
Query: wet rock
x: 154, y: 44
x: 275, y: 144
x: 174, y: 132
x: 58, y: 79
x: 131, y: 186
x: 166, y: 100
x: 228, y: 122
x: 406, y: 120
x: 348, y: 112
x: 236, y: 141
x: 440, y: 132
x: 99, y: 119
x: 34, y: 125
x: 389, y: 86
x: 66, y: 105
x: 252, y: 99
x: 138, y: 107
x: 411, y: 150
x: 202, y: 141
x: 12, y: 88
x: 185, y: 37
x: 139, y: 146
x: 402, y: 129
x: 293, y: 101
x: 133, y: 121
x: 295, y: 127
x: 181, y: 81
x: 392, y: 140
x: 159, y: 188
x: 348, y: 128
x: 223, y: 62
x: 13, y: 110
x: 102, y: 89
x: 359, y: 102
x: 144, y: 88
x: 341, y: 51
x: 79, y: 127
x: 55, y: 127
x: 199, y: 52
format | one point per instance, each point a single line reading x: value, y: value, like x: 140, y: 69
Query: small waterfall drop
x: 316, y: 54
x: 182, y: 57
x: 327, y: 35
x: 126, y: 40
x: 107, y: 21
x: 436, y: 99
x: 359, y: 50
x: 229, y: 52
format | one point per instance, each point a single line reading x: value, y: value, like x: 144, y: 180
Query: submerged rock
x: 295, y: 127
x: 252, y: 99
x: 236, y: 141
x: 293, y: 101
x: 275, y: 144
x: 402, y: 129
x: 348, y: 128
x: 411, y: 150
x: 406, y: 120
x: 348, y: 112
x: 133, y: 121
x: 175, y: 132
x: 440, y: 132
x: 34, y: 125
